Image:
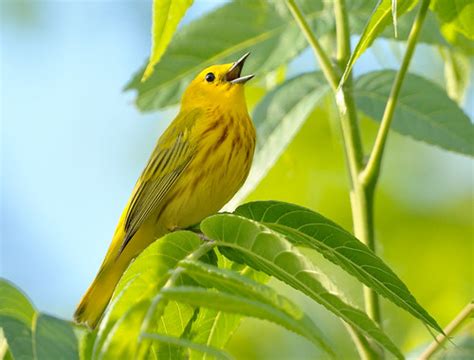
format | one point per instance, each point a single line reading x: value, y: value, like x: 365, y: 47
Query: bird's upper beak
x: 233, y: 75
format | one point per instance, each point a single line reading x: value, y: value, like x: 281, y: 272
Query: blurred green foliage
x: 424, y: 212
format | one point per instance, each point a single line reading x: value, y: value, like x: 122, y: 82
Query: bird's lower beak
x: 233, y: 75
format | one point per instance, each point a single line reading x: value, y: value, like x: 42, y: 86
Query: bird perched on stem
x: 198, y: 164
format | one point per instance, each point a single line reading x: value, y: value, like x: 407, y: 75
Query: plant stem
x: 370, y: 175
x: 364, y: 196
x: 363, y: 178
x: 454, y: 326
x: 361, y: 199
x: 320, y: 54
x: 342, y: 33
x: 364, y: 348
x: 361, y: 214
x: 362, y: 202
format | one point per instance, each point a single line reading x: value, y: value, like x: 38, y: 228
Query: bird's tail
x: 95, y: 300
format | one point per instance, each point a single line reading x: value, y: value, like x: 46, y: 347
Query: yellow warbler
x: 198, y: 164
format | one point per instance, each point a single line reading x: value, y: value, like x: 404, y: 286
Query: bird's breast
x: 224, y: 153
x: 227, y: 144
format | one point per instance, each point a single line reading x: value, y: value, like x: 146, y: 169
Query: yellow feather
x: 198, y: 164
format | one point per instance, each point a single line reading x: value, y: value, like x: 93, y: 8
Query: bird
x: 198, y: 164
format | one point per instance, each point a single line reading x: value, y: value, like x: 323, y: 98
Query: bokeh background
x: 73, y: 145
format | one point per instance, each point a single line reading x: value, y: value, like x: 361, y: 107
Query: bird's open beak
x: 233, y: 75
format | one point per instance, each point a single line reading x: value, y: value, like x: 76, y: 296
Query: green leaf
x: 245, y: 305
x: 457, y: 72
x: 265, y: 250
x: 54, y: 339
x: 265, y: 28
x: 304, y: 227
x: 32, y: 335
x: 215, y: 328
x: 16, y: 320
x: 429, y: 33
x: 3, y: 345
x: 379, y: 20
x: 145, y: 277
x: 424, y: 111
x: 166, y: 16
x: 233, y: 283
x: 19, y: 337
x: 14, y: 303
x: 278, y: 118
x: 122, y: 340
x: 189, y: 345
x: 173, y: 322
x: 86, y: 343
x: 359, y: 11
x: 459, y: 42
x: 456, y: 15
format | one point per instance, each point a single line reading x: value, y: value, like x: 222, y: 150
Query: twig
x: 371, y: 172
x: 453, y: 326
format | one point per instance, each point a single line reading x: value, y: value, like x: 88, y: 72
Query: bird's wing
x: 170, y: 158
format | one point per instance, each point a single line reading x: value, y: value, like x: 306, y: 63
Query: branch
x: 361, y: 211
x: 345, y: 100
x: 455, y: 325
x: 343, y: 34
x: 371, y: 172
x: 320, y: 54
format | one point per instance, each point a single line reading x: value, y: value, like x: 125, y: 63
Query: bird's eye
x: 210, y: 77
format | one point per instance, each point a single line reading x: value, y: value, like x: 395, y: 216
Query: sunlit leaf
x: 304, y: 227
x: 241, y: 304
x: 213, y: 327
x: 424, y: 111
x: 143, y: 279
x: 4, y: 353
x: 277, y: 118
x: 265, y: 250
x: 456, y: 15
x: 457, y: 73
x: 173, y: 322
x: 233, y: 283
x: 123, y: 338
x: 202, y: 349
x: 166, y: 16
x: 266, y: 29
x: 360, y: 11
x: 86, y: 343
x: 379, y: 20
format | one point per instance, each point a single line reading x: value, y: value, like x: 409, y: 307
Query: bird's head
x: 220, y: 85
